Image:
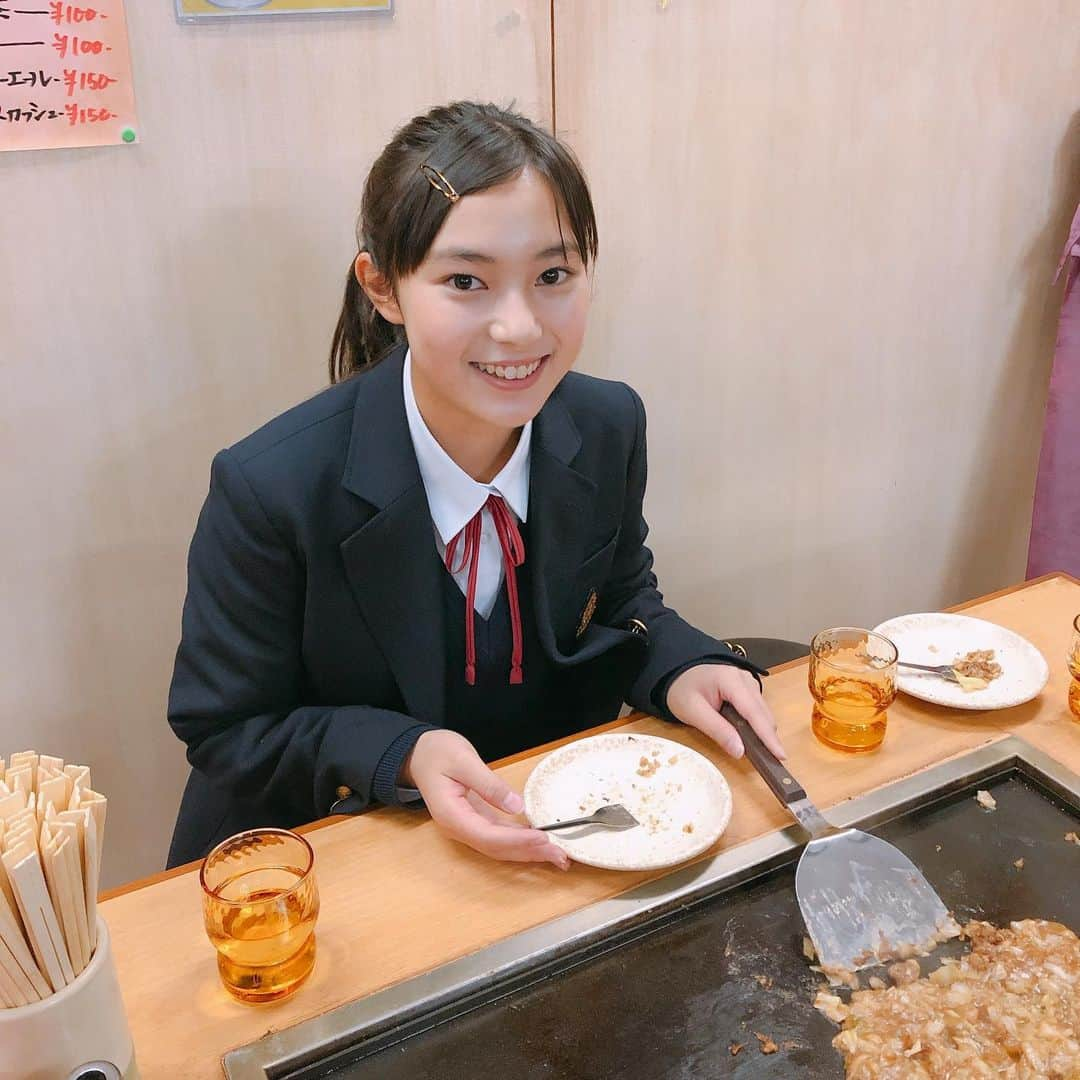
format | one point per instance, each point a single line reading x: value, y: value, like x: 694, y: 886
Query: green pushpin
x: 128, y: 135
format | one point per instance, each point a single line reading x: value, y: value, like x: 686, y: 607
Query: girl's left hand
x: 696, y: 695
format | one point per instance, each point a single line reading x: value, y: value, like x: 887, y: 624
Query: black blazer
x: 312, y: 631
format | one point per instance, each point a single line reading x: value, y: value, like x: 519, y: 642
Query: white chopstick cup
x: 84, y: 1021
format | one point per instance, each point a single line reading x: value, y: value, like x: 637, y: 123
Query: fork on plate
x: 612, y: 816
x: 944, y: 670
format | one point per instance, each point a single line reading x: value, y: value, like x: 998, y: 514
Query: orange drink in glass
x: 853, y: 683
x: 1074, y: 670
x: 260, y: 903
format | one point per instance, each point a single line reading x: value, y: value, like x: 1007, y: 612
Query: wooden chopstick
x: 15, y: 944
x: 73, y: 824
x: 54, y: 856
x: 38, y: 917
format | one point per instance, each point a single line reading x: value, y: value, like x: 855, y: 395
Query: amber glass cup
x: 1074, y: 670
x: 853, y: 682
x: 260, y: 903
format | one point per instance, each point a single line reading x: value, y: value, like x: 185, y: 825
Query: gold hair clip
x: 439, y: 182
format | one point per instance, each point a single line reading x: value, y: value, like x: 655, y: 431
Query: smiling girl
x: 440, y: 560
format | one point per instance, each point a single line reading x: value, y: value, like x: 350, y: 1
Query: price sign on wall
x: 65, y: 75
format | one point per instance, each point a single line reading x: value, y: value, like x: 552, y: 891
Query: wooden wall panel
x: 828, y: 232
x: 157, y: 302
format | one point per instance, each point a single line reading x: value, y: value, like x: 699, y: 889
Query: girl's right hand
x: 471, y: 804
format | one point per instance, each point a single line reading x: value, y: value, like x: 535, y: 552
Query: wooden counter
x: 398, y: 898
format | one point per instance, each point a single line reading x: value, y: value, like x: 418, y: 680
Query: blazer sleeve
x: 237, y: 692
x: 631, y: 593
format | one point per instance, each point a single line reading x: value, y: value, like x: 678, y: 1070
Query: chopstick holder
x: 32, y: 896
x: 52, y: 832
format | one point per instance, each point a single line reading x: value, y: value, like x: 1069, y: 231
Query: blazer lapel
x: 391, y: 561
x: 560, y: 499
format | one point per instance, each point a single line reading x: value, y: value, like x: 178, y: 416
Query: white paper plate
x: 937, y: 638
x: 680, y: 797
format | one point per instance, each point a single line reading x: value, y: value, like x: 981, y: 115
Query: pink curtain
x: 1055, y: 525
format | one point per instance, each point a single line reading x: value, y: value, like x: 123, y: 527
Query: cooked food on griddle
x: 1010, y: 1008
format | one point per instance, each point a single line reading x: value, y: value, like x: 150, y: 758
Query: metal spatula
x: 859, y: 895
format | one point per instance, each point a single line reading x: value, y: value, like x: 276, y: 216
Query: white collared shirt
x: 454, y: 497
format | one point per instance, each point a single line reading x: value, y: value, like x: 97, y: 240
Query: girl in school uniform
x: 440, y: 560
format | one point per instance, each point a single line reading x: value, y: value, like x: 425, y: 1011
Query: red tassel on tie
x: 513, y: 551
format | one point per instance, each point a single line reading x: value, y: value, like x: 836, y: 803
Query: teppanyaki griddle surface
x: 672, y: 1002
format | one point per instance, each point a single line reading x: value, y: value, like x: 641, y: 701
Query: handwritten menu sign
x: 65, y: 75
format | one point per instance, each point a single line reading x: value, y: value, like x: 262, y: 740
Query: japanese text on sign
x: 65, y: 75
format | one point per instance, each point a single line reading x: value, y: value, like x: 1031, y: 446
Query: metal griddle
x: 661, y: 981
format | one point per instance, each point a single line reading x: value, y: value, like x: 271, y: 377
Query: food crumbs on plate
x: 1019, y: 864
x: 986, y: 800
x: 673, y: 760
x: 735, y: 1048
x: 1072, y: 838
x: 647, y: 767
x: 688, y: 828
x: 767, y: 1045
x: 976, y: 670
x: 932, y: 648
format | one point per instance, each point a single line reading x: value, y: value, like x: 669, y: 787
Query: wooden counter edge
x: 176, y: 871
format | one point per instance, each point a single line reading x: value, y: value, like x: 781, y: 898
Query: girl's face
x: 495, y: 315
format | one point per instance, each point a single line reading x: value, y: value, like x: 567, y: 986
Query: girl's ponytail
x: 362, y: 336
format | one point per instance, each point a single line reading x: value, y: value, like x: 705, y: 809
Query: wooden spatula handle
x: 782, y: 784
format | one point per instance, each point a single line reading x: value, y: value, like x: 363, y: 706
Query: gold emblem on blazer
x: 588, y: 612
